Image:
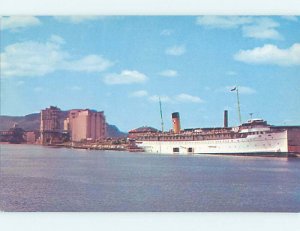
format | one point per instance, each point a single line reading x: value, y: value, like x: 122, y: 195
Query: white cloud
x: 167, y: 32
x: 252, y: 27
x: 176, y: 50
x: 139, y: 94
x: 223, y: 22
x: 31, y: 59
x: 38, y: 59
x: 242, y: 90
x: 77, y: 18
x: 125, y: 77
x: 271, y: 54
x: 169, y: 73
x: 264, y: 28
x: 188, y: 98
x: 16, y: 23
x: 89, y: 63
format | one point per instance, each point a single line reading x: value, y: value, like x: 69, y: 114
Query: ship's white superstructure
x: 255, y: 142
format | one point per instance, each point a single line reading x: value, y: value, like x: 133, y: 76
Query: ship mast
x: 161, y: 116
x: 238, y: 103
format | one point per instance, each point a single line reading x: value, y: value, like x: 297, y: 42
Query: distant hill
x: 32, y: 122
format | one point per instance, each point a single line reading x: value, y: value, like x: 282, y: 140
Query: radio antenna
x: 251, y: 114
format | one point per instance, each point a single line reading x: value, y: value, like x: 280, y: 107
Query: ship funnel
x: 176, y: 122
x: 225, y: 119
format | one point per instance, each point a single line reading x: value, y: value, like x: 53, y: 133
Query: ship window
x: 175, y: 149
x: 190, y: 150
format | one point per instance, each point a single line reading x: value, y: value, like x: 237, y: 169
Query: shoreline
x: 113, y: 147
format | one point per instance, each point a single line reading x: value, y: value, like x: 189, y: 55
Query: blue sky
x: 123, y: 64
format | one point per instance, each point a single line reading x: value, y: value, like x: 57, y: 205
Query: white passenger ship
x: 254, y: 138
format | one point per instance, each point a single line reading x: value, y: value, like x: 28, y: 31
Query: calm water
x: 35, y: 178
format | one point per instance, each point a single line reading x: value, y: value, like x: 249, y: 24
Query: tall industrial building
x: 85, y: 125
x: 50, y: 128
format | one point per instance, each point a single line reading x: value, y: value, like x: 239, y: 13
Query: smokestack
x: 176, y: 122
x: 225, y: 119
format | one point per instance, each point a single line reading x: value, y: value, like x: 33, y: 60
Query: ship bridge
x: 254, y: 125
x: 255, y: 122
